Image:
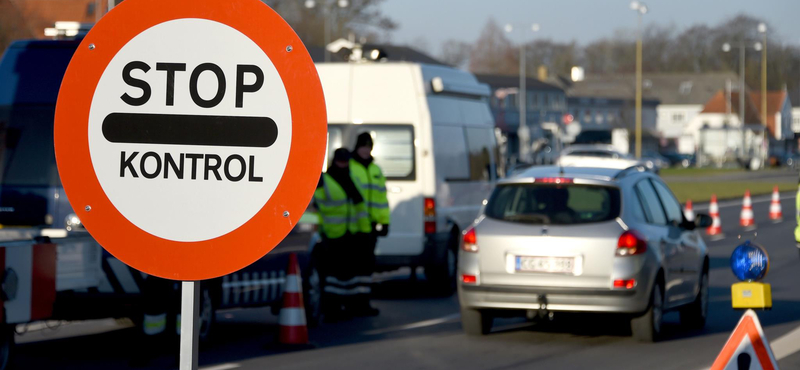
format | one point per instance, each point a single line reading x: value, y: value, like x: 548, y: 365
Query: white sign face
x: 190, y: 130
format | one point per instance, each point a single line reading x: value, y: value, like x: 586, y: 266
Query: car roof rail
x: 632, y: 169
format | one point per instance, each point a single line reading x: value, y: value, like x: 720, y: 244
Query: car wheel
x: 475, y: 322
x: 6, y: 345
x: 312, y: 296
x: 442, y: 276
x: 207, y: 314
x: 694, y: 315
x: 685, y: 163
x: 647, y: 328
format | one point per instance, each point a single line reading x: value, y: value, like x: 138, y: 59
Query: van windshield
x: 554, y: 204
x: 393, y: 147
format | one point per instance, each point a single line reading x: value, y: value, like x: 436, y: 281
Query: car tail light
x: 429, y: 214
x: 469, y: 279
x: 625, y: 283
x: 553, y: 180
x: 470, y: 241
x: 631, y: 243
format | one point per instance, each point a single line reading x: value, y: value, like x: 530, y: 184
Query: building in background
x: 36, y: 15
x: 546, y: 107
x: 779, y: 119
x: 601, y: 103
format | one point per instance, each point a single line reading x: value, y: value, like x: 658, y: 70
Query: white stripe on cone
x: 775, y: 211
x: 746, y: 217
x: 292, y: 316
x: 292, y: 284
x: 688, y: 211
x: 716, y: 224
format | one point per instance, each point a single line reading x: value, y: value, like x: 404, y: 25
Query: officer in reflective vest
x: 370, y: 180
x: 343, y: 218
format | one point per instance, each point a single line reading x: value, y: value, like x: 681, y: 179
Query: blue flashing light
x: 749, y: 262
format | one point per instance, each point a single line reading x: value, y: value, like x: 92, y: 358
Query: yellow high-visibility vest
x: 372, y: 184
x: 337, y: 213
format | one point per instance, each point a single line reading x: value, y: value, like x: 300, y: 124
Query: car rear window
x: 554, y: 204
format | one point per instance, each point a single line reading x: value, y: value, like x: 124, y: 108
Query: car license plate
x: 563, y: 265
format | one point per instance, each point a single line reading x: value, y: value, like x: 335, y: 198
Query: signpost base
x: 190, y: 324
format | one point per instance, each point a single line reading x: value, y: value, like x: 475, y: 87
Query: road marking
x: 221, y: 367
x: 421, y: 324
x: 717, y: 237
x: 733, y: 203
x: 787, y: 344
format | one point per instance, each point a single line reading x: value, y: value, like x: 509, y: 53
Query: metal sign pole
x: 190, y: 328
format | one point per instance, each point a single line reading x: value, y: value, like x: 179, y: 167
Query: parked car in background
x: 680, y: 160
x: 599, y: 155
x: 654, y: 161
x: 584, y: 240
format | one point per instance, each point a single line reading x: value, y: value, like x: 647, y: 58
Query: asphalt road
x: 417, y: 330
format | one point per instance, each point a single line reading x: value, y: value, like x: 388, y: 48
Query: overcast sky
x: 582, y: 20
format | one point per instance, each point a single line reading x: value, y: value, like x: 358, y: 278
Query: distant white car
x: 600, y: 156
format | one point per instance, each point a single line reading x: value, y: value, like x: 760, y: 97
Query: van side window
x: 450, y: 149
x: 481, y: 145
x: 650, y: 203
x: 393, y: 150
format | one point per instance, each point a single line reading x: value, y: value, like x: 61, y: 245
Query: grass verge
x: 701, y: 191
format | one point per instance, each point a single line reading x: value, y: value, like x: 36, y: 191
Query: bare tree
x: 493, y: 52
x: 455, y: 53
x: 360, y: 18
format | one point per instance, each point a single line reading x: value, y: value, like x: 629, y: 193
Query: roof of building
x: 775, y: 100
x: 718, y: 104
x: 496, y: 81
x: 668, y: 88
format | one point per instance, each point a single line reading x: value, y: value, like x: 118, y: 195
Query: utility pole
x: 640, y: 9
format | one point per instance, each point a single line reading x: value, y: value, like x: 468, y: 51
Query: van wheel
x: 207, y: 313
x: 647, y: 328
x: 6, y: 345
x: 442, y: 276
x: 694, y: 315
x: 312, y: 296
x: 475, y: 322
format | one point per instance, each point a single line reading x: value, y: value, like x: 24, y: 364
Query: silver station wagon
x: 584, y: 240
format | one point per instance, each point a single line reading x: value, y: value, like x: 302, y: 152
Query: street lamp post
x: 726, y: 47
x: 762, y: 29
x: 640, y: 9
x: 522, y: 92
x: 328, y: 14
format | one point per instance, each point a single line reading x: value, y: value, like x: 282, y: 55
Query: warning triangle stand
x: 747, y: 348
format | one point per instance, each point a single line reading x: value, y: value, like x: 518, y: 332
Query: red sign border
x: 243, y: 246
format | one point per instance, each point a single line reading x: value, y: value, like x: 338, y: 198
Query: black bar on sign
x: 176, y: 129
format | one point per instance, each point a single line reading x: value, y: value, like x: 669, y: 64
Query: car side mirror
x: 702, y: 220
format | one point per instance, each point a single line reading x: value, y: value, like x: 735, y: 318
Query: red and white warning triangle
x: 747, y: 348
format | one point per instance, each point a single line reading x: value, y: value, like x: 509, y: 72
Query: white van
x: 435, y: 142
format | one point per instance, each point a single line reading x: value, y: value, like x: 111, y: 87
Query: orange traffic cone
x: 292, y: 318
x: 688, y: 212
x: 713, y: 211
x: 746, y: 217
x: 775, y: 212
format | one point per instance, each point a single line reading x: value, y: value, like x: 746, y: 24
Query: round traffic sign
x: 190, y: 135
